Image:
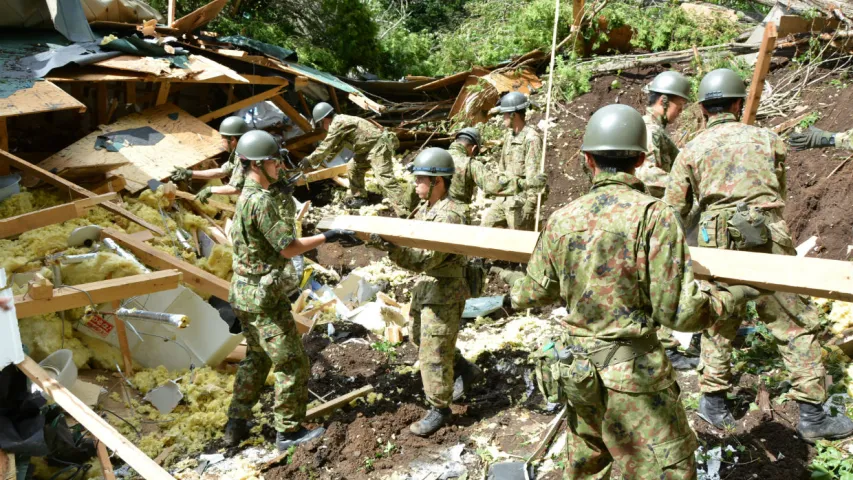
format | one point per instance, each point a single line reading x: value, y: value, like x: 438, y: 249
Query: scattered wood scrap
x: 17, y: 225
x: 323, y: 174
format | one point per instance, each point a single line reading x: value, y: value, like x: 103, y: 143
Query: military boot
x: 236, y: 430
x: 681, y: 361
x: 285, y: 440
x: 713, y: 409
x: 434, y: 419
x: 355, y: 202
x: 815, y: 423
x: 467, y: 375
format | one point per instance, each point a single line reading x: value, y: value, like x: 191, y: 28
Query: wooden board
x: 131, y: 63
x: 831, y: 279
x: 246, y: 102
x: 213, y: 203
x: 762, y: 66
x: 323, y: 174
x: 188, y: 142
x: 292, y: 113
x: 305, y: 139
x: 19, y: 224
x: 43, y: 96
x: 789, y: 24
x: 103, y: 431
x: 337, y: 403
x: 63, y: 185
x: 66, y: 298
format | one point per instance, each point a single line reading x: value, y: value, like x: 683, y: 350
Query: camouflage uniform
x: 844, y: 140
x: 471, y: 173
x: 259, y: 234
x: 728, y: 163
x: 437, y: 303
x: 373, y: 148
x: 519, y: 159
x: 234, y: 169
x: 618, y: 259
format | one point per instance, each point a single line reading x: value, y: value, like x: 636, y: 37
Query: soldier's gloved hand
x: 538, y: 184
x: 743, y: 293
x: 180, y: 174
x: 204, y: 194
x: 812, y: 138
x: 379, y: 243
x: 305, y: 164
x: 344, y: 237
x: 507, y: 302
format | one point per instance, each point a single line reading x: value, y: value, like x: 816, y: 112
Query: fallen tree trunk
x: 626, y: 62
x: 831, y: 279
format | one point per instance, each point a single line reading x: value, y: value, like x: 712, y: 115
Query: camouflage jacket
x: 259, y: 233
x: 728, y: 163
x: 443, y: 274
x: 234, y: 169
x: 618, y: 259
x: 471, y: 173
x: 346, y: 131
x: 654, y: 172
x: 521, y: 155
x: 844, y: 140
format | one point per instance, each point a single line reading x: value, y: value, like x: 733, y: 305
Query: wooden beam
x: 130, y: 92
x: 304, y: 140
x: 337, y: 403
x: 213, y: 203
x: 113, y: 183
x: 101, y: 102
x: 443, y: 82
x: 762, y: 66
x: 292, y: 113
x: 304, y: 104
x: 323, y: 174
x: 62, y: 184
x: 193, y: 276
x: 334, y: 96
x: 104, y: 460
x: 9, y: 227
x: 123, y: 345
x: 4, y: 145
x: 65, y: 298
x: 163, y: 93
x: 817, y: 277
x: 241, y: 104
x: 170, y: 19
x: 103, y: 431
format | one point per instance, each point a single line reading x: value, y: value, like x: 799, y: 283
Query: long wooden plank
x: 296, y: 143
x: 337, y: 403
x: 247, y: 102
x: 762, y: 66
x: 66, y: 298
x: 323, y: 174
x: 817, y: 277
x: 19, y: 224
x: 102, y: 430
x: 292, y: 113
x: 213, y: 203
x: 62, y: 183
x: 193, y: 276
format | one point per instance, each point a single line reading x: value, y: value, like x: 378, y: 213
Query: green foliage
x: 831, y: 463
x: 570, y: 79
x: 759, y: 354
x: 809, y: 120
x: 385, y: 347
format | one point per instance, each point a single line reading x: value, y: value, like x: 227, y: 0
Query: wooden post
x: 4, y: 145
x: 304, y: 104
x: 292, y: 113
x: 762, y: 66
x: 171, y: 13
x: 130, y: 92
x: 102, y: 103
x: 334, y: 96
x: 121, y: 333
x: 104, y: 459
x: 230, y: 98
x: 163, y: 92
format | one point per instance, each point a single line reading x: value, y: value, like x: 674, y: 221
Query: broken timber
x: 65, y: 298
x: 17, y: 225
x: 762, y: 66
x: 831, y: 279
x: 226, y: 207
x: 323, y: 174
x: 99, y: 428
x: 61, y: 183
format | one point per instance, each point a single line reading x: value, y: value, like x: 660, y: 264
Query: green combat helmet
x: 470, y: 133
x: 321, y: 111
x: 615, y: 131
x: 433, y: 162
x: 513, y: 102
x: 257, y: 146
x: 671, y: 83
x: 721, y: 83
x: 233, y: 127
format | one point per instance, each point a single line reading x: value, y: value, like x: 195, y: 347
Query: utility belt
x: 740, y: 228
x: 567, y: 372
x: 455, y: 271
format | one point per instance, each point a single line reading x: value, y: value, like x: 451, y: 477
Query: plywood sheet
x: 186, y: 143
x: 41, y: 97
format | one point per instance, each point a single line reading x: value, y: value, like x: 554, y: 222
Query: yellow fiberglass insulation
x: 26, y: 202
x: 105, y: 266
x: 43, y: 335
x: 199, y: 419
x: 219, y: 262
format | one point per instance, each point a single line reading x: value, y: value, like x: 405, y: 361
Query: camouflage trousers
x: 272, y: 342
x: 508, y: 212
x: 667, y: 339
x: 645, y: 434
x: 380, y: 159
x: 792, y: 320
x: 434, y: 328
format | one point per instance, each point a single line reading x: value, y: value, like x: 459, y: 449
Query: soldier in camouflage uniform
x: 231, y: 129
x: 374, y: 148
x: 738, y: 173
x: 264, y: 242
x: 520, y: 157
x: 618, y: 259
x: 471, y: 173
x: 668, y: 93
x: 817, y: 138
x: 439, y: 296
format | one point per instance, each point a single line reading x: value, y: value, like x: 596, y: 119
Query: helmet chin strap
x: 665, y: 104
